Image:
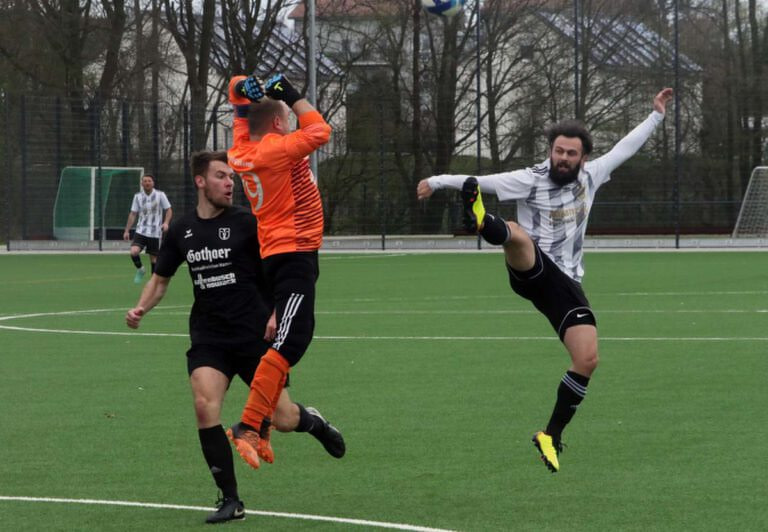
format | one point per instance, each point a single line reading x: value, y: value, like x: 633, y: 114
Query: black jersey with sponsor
x: 232, y: 304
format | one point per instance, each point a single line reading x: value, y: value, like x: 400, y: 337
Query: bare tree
x: 193, y: 35
x: 757, y: 84
x: 513, y: 91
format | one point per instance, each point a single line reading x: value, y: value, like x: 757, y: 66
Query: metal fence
x: 688, y: 179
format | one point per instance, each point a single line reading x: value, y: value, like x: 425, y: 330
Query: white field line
x: 306, y: 517
x: 510, y: 295
x: 482, y: 312
x: 350, y: 337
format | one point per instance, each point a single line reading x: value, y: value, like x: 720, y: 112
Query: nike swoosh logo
x: 582, y: 315
x: 238, y: 513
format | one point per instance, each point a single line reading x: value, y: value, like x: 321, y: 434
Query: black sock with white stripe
x: 570, y: 393
x: 218, y: 455
x: 495, y: 230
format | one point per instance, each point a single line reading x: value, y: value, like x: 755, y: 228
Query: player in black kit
x: 231, y: 322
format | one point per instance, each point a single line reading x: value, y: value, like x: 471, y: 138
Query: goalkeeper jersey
x: 555, y: 217
x: 278, y: 181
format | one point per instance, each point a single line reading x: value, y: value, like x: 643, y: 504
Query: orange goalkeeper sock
x: 266, y: 386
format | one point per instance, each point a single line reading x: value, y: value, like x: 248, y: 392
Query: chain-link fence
x: 461, y: 98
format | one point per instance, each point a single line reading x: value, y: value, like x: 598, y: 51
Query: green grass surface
x: 437, y: 375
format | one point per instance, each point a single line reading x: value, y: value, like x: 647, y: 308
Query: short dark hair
x: 571, y: 129
x: 200, y: 160
x: 261, y: 113
x: 148, y: 175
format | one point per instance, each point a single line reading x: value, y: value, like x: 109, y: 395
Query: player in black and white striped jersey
x: 544, y: 249
x: 153, y: 210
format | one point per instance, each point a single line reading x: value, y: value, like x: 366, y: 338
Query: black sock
x: 153, y: 266
x: 570, y: 393
x: 306, y: 420
x: 218, y: 455
x: 136, y: 261
x: 495, y: 230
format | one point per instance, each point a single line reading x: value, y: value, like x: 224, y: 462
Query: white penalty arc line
x: 342, y: 337
x: 425, y: 338
x: 306, y: 517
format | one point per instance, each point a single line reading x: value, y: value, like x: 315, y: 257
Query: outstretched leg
x: 519, y: 250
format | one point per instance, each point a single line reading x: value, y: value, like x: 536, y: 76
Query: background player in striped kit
x: 544, y: 249
x: 273, y: 162
x: 229, y: 324
x: 154, y: 212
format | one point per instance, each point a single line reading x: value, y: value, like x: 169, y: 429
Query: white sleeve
x: 135, y: 204
x: 164, y: 203
x: 437, y: 182
x: 627, y: 147
x: 506, y: 185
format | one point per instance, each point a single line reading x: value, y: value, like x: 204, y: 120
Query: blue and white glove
x: 279, y: 88
x: 251, y: 88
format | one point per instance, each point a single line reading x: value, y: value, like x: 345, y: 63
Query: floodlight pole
x: 312, y: 67
x: 477, y: 110
x: 676, y: 189
x: 576, y: 58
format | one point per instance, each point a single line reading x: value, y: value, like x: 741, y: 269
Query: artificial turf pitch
x: 436, y: 373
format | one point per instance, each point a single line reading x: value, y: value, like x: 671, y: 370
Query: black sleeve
x: 170, y: 256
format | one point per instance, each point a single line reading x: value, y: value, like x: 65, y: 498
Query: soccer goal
x: 753, y: 215
x: 76, y: 210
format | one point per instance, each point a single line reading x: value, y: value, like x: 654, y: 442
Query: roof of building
x: 621, y: 43
x: 284, y: 54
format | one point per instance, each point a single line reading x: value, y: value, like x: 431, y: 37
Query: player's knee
x: 206, y: 411
x: 593, y: 360
x: 587, y: 362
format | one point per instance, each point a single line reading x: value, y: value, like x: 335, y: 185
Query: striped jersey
x: 555, y: 217
x: 278, y: 181
x: 150, y: 208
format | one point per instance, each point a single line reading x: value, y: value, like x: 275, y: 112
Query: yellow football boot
x: 474, y: 211
x: 549, y: 450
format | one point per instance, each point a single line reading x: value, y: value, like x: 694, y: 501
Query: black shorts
x: 231, y: 360
x: 553, y: 293
x: 293, y: 277
x: 152, y: 245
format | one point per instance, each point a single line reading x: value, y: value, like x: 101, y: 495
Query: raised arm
x: 313, y: 130
x: 634, y: 140
x: 506, y: 185
x: 239, y: 109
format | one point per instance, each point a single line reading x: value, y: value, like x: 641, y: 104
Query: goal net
x: 76, y: 210
x: 753, y: 215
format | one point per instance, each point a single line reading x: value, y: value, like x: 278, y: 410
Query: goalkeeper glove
x: 279, y: 88
x: 251, y: 88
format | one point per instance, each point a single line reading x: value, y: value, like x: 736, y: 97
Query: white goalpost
x: 753, y: 215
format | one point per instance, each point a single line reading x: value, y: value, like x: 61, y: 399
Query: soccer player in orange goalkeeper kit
x: 273, y: 162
